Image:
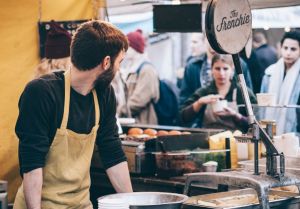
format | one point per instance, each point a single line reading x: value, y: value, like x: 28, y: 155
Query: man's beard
x: 104, y: 79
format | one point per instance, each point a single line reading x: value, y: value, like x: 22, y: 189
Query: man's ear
x: 106, y: 63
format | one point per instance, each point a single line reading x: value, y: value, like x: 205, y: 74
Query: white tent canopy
x: 118, y: 7
x: 288, y: 15
x: 276, y: 17
x: 259, y: 4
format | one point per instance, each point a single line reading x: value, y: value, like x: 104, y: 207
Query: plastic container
x: 210, y: 166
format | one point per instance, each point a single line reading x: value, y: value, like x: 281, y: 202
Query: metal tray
x: 286, y: 200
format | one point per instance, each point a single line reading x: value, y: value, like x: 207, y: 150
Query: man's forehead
x: 290, y: 42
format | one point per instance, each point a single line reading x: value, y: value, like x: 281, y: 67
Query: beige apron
x: 66, y: 175
x: 211, y: 120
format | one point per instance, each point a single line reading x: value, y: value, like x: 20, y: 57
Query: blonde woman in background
x: 199, y: 107
x: 57, y: 51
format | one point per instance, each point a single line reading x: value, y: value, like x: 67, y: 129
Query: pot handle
x: 191, y: 178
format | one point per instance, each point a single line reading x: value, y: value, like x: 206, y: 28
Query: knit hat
x: 58, y: 42
x: 136, y: 40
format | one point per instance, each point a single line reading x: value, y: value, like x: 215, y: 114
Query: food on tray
x: 185, y: 132
x: 233, y: 201
x: 174, y: 132
x: 138, y: 138
x: 150, y: 132
x: 205, y: 203
x: 135, y: 131
x: 162, y: 133
x: 140, y: 135
x: 292, y: 188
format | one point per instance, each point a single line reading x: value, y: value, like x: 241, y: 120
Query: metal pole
x: 238, y: 68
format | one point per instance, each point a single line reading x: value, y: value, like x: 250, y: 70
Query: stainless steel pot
x: 150, y: 200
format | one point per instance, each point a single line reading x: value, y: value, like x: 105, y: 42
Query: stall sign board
x: 228, y: 25
x: 177, y: 18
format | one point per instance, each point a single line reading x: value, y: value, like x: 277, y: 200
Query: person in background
x: 63, y: 114
x: 119, y: 89
x: 141, y: 81
x: 57, y: 51
x: 283, y: 80
x: 199, y: 106
x: 198, y: 73
x: 262, y: 57
x: 197, y: 46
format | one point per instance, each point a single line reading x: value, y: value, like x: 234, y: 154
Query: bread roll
x: 162, y: 133
x: 150, y: 132
x: 174, y: 132
x: 135, y: 131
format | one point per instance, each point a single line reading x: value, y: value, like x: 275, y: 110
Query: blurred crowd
x: 208, y: 95
x: 209, y: 80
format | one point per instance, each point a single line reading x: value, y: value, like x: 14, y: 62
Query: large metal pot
x: 150, y: 200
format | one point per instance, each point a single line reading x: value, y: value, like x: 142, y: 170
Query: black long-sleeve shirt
x: 41, y: 108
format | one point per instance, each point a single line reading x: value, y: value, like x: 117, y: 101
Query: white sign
x: 232, y: 24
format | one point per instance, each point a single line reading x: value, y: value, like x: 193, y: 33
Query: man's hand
x: 32, y: 185
x: 119, y: 177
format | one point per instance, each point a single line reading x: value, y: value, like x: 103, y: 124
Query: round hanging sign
x: 228, y: 25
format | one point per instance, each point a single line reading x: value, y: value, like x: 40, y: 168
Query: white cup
x: 266, y: 99
x: 210, y: 166
x: 219, y: 105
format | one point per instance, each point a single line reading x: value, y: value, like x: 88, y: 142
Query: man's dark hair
x: 93, y: 41
x: 259, y: 37
x: 295, y: 35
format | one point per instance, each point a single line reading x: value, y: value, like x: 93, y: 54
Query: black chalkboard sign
x: 177, y: 18
x: 44, y: 27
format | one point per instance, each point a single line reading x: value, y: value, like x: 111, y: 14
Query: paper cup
x: 210, y: 166
x: 219, y: 105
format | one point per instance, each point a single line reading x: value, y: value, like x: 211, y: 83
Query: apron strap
x: 96, y: 103
x: 64, y: 122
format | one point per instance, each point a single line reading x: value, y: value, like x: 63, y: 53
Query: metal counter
x: 242, y: 199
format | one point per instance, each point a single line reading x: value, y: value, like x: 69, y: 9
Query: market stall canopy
x: 130, y: 14
x: 259, y: 4
x: 276, y: 17
x: 255, y: 4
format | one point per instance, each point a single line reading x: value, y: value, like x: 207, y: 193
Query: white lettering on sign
x: 233, y: 21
